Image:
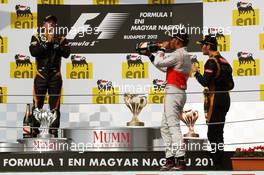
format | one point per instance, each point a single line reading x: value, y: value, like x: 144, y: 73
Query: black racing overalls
x: 216, y: 104
x: 48, y: 76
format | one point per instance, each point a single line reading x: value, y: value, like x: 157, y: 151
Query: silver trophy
x: 189, y: 118
x: 135, y: 103
x: 45, y: 118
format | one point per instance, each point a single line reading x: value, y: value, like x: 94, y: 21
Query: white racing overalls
x: 177, y: 66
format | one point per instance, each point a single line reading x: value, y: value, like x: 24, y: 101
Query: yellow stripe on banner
x: 262, y: 92
x: 261, y: 41
x: 161, y: 1
x: 3, y: 93
x: 106, y: 2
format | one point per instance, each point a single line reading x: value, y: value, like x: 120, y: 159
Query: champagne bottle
x: 144, y: 47
x: 27, y: 122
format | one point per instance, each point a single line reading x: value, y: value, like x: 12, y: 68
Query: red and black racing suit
x: 48, y: 76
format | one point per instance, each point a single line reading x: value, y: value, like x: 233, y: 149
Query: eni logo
x: 216, y: 0
x: 3, y: 44
x: 105, y: 93
x: 23, y: 18
x: 262, y: 92
x: 105, y: 2
x: 222, y: 40
x: 261, y: 41
x: 161, y: 1
x: 246, y: 65
x: 245, y: 15
x: 156, y: 93
x: 79, y: 68
x: 22, y: 67
x: 3, y: 1
x: 198, y: 64
x: 3, y: 93
x: 50, y: 1
x: 134, y: 68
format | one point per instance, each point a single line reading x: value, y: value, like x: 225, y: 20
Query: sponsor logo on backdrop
x: 23, y: 18
x: 105, y: 93
x: 79, y: 68
x: 161, y: 1
x: 50, y: 1
x: 3, y: 1
x: 156, y: 92
x: 246, y: 65
x: 111, y: 138
x: 46, y: 100
x: 216, y: 0
x: 245, y: 14
x: 106, y: 2
x: 198, y: 64
x: 223, y: 40
x: 3, y: 44
x: 261, y: 41
x: 134, y: 67
x: 262, y: 92
x: 3, y: 93
x: 22, y: 67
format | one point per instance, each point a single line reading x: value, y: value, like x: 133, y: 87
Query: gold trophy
x: 135, y: 103
x: 189, y: 118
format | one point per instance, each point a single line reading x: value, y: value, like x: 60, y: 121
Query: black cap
x: 208, y: 39
x: 50, y: 17
x: 182, y: 36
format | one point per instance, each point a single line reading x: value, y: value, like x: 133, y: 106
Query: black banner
x: 102, y: 161
x: 117, y: 28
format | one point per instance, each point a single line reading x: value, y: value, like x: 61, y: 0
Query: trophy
x: 45, y: 118
x: 189, y: 118
x: 135, y: 103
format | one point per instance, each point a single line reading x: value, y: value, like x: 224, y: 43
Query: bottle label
x: 26, y: 130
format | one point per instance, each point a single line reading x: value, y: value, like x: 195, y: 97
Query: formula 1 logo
x: 3, y: 93
x: 107, y: 29
x: 3, y: 44
x: 23, y: 18
x: 105, y: 93
x: 134, y: 68
x: 222, y: 39
x: 79, y: 68
x: 22, y: 67
x: 246, y: 65
x: 245, y: 15
x: 262, y: 92
x: 106, y: 2
x: 161, y: 1
x: 51, y: 2
x: 156, y: 92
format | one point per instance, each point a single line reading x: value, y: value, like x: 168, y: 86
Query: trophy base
x: 191, y: 135
x: 135, y: 123
x: 45, y: 144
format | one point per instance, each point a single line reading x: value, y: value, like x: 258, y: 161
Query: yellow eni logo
x: 105, y: 93
x: 261, y: 41
x: 246, y: 65
x: 198, y: 64
x: 3, y: 44
x: 223, y: 43
x: 3, y: 1
x: 105, y: 2
x: 46, y: 100
x: 50, y: 1
x: 161, y: 1
x: 156, y: 93
x: 79, y: 68
x: 245, y: 15
x: 23, y: 18
x: 262, y: 92
x: 216, y: 0
x: 134, y: 68
x: 22, y: 67
x: 3, y: 93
